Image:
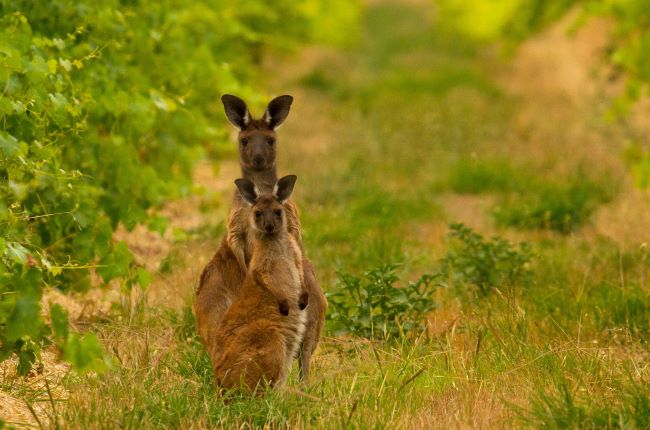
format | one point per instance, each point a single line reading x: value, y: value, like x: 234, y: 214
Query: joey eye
x: 258, y: 214
x: 277, y: 212
x: 271, y: 141
x: 244, y: 141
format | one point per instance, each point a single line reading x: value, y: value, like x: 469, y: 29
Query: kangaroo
x: 255, y: 344
x: 222, y: 279
x: 268, y: 216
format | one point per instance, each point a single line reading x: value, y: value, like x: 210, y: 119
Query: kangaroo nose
x: 270, y: 228
x: 258, y: 160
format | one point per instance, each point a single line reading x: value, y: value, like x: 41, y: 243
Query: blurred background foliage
x: 105, y: 108
x: 509, y: 22
x: 512, y: 21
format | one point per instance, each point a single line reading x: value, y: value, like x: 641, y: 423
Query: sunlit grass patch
x: 623, y: 308
x: 562, y: 205
x: 591, y: 288
x: 570, y: 403
x: 530, y: 200
x: 436, y: 83
x: 360, y: 218
x: 475, y: 176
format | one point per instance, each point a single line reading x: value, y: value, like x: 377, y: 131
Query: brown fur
x: 237, y: 236
x: 254, y: 345
x: 222, y: 279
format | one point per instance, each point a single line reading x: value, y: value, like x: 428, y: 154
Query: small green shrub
x: 562, y: 206
x: 372, y: 306
x: 485, y: 263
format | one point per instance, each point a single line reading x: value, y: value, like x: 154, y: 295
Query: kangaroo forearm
x: 241, y: 259
x: 301, y: 272
x: 263, y: 279
x: 237, y: 246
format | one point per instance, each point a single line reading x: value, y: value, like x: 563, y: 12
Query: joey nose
x: 269, y: 228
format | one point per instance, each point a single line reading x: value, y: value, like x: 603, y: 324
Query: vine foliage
x: 105, y: 106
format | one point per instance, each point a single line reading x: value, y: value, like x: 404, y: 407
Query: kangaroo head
x: 257, y: 136
x: 267, y: 214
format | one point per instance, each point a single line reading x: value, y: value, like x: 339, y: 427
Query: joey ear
x: 247, y: 189
x: 284, y: 187
x: 236, y: 111
x: 277, y: 111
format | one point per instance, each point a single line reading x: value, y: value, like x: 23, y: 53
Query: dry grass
x: 27, y: 401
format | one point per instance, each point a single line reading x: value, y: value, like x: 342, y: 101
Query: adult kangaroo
x: 222, y: 279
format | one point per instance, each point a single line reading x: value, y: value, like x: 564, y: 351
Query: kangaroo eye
x: 277, y: 212
x: 244, y: 141
x: 258, y: 214
x: 271, y: 141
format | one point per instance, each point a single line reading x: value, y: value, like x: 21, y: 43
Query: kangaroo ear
x: 277, y: 111
x: 284, y: 187
x: 247, y: 189
x: 236, y: 111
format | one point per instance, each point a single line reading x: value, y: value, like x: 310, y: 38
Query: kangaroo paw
x: 283, y: 306
x: 303, y: 301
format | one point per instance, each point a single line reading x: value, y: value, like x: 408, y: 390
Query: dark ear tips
x: 289, y: 179
x: 236, y: 110
x: 230, y: 100
x: 284, y: 187
x: 284, y: 99
x: 278, y: 110
x: 280, y: 102
x: 247, y: 190
x: 241, y: 182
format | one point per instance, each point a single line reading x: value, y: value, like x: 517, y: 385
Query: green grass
x: 562, y: 206
x: 164, y: 379
x: 413, y: 115
x: 592, y: 288
x: 529, y: 200
x: 475, y: 176
x: 567, y: 405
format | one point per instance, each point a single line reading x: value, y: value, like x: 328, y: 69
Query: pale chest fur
x: 282, y: 262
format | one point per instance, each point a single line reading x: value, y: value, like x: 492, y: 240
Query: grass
x: 530, y: 201
x: 164, y: 379
x: 473, y: 176
x: 562, y: 206
x: 566, y: 348
x: 568, y: 405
